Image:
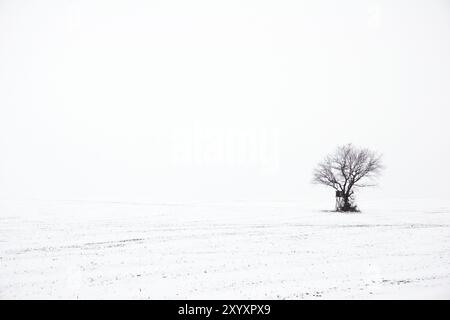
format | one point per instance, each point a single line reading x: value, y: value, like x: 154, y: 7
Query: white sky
x: 110, y: 99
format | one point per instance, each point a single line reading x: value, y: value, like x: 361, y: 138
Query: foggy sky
x: 219, y: 100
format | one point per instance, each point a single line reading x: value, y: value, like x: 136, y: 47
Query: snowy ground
x: 224, y: 251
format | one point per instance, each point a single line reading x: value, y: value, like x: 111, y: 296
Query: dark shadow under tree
x: 348, y: 168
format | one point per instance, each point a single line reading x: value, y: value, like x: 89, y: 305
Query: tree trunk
x: 347, y: 202
x: 346, y: 205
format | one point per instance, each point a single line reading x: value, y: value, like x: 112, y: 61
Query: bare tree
x: 348, y: 168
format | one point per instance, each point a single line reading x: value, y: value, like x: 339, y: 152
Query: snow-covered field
x: 284, y: 250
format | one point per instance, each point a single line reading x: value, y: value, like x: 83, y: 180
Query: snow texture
x: 278, y: 250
